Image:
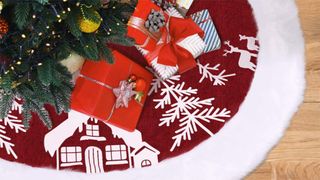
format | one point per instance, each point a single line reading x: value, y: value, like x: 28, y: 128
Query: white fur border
x: 275, y: 95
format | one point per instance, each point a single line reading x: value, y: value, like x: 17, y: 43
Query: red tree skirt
x: 180, y: 113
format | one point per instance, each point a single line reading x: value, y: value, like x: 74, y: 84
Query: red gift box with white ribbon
x: 174, y: 47
x: 103, y: 91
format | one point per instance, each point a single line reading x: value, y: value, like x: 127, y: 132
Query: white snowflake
x: 185, y: 109
x: 207, y: 73
x: 14, y: 123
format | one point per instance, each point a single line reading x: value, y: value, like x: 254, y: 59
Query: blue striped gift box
x: 211, y: 38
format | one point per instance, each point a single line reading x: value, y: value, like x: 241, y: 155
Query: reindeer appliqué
x: 245, y: 55
x: 251, y: 42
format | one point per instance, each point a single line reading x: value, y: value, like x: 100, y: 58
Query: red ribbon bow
x: 169, y: 52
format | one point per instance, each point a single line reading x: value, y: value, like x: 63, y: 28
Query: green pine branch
x: 41, y: 34
x: 22, y: 11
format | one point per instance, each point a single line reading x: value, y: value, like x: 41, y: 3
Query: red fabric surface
x: 231, y: 18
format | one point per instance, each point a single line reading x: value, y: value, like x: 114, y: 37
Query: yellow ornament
x: 87, y: 25
x: 1, y: 6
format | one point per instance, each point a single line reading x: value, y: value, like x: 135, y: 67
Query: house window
x: 116, y: 154
x: 71, y: 156
x: 146, y: 163
x: 92, y: 130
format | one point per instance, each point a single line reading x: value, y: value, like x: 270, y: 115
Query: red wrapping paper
x: 144, y: 38
x: 98, y: 101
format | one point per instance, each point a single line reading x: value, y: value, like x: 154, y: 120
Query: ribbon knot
x: 123, y: 94
x: 168, y: 51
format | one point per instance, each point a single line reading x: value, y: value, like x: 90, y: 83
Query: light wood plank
x: 312, y: 94
x: 307, y: 118
x: 291, y: 170
x: 298, y: 154
x: 312, y: 52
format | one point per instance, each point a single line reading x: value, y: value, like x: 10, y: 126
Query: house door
x: 94, y: 160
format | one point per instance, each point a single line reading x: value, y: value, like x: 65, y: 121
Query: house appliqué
x: 94, y: 151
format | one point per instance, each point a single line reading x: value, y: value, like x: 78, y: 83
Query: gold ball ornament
x: 89, y: 26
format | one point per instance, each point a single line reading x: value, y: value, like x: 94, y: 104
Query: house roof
x: 145, y: 146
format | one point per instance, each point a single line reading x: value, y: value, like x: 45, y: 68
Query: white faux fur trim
x: 276, y: 92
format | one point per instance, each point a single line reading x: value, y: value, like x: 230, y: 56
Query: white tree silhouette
x: 14, y: 123
x: 185, y: 109
x: 207, y: 73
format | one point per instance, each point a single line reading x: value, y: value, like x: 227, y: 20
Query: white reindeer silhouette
x: 245, y: 56
x: 251, y: 42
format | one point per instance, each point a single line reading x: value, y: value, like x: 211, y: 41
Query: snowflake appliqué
x: 14, y: 123
x: 219, y: 79
x: 191, y: 112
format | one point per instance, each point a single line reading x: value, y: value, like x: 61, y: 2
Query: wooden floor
x: 298, y: 154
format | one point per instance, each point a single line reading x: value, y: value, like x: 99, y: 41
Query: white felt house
x: 89, y: 150
x: 145, y: 156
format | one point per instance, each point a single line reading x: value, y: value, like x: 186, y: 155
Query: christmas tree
x: 36, y: 35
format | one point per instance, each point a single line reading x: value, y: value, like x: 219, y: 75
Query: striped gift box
x: 212, y: 39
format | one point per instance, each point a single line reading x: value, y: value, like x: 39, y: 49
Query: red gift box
x: 174, y: 48
x: 136, y: 30
x: 93, y: 94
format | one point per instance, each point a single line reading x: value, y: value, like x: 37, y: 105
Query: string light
x: 28, y: 54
